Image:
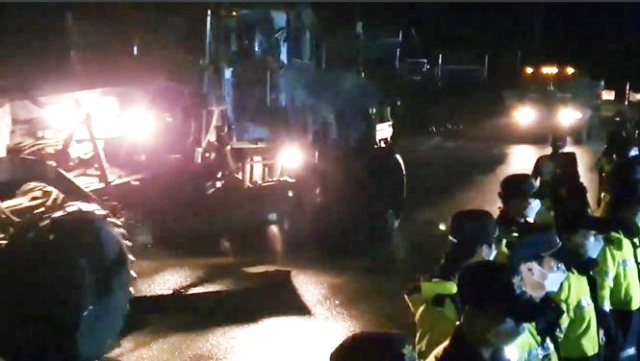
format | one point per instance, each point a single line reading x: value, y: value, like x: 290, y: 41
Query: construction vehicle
x: 556, y: 99
x: 223, y: 165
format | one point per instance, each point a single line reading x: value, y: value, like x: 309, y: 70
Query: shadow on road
x: 268, y: 294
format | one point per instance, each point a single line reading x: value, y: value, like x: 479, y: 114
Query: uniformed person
x: 559, y: 183
x: 540, y: 340
x: 546, y: 166
x: 618, y: 147
x: 582, y: 245
x: 434, y: 301
x: 520, y: 206
x: 489, y: 304
x: 617, y: 271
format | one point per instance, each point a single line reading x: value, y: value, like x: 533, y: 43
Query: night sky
x: 601, y: 37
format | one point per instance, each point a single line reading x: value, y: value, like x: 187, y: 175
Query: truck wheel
x: 65, y: 290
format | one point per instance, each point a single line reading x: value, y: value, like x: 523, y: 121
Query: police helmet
x: 520, y: 185
x: 473, y: 228
x: 559, y: 141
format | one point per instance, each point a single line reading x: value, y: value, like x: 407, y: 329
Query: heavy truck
x: 556, y: 98
x: 70, y: 221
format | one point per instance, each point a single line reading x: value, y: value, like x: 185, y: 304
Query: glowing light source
x: 291, y: 157
x: 570, y: 70
x: 568, y: 116
x: 528, y: 70
x: 525, y: 115
x: 549, y: 70
x: 138, y: 123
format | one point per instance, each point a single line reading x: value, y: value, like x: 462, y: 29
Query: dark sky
x: 598, y: 36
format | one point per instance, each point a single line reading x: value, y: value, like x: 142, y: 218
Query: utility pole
x: 360, y: 41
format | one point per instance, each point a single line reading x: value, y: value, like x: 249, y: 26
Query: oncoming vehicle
x: 552, y: 106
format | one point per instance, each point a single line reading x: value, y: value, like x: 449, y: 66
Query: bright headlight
x: 62, y: 117
x: 525, y: 115
x: 291, y: 157
x: 138, y: 123
x: 568, y: 116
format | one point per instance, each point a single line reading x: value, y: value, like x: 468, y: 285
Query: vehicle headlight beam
x: 568, y: 116
x: 291, y: 157
x: 525, y: 115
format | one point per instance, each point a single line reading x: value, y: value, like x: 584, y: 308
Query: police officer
x: 618, y: 147
x: 559, y: 183
x: 520, y: 206
x: 434, y: 301
x: 617, y: 271
x: 544, y: 170
x: 578, y: 335
x: 543, y: 314
x: 489, y: 303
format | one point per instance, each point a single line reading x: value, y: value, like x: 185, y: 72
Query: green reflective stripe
x: 609, y: 276
x: 628, y: 262
x: 585, y: 303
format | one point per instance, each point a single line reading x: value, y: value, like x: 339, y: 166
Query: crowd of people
x: 549, y: 278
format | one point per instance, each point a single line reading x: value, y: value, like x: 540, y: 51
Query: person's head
x: 371, y: 345
x: 533, y: 262
x: 517, y: 193
x: 583, y: 237
x: 472, y: 233
x: 489, y: 301
x: 558, y: 142
x: 624, y: 182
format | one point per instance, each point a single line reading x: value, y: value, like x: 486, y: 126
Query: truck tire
x: 66, y: 286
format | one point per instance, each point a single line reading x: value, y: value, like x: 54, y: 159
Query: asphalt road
x: 266, y: 317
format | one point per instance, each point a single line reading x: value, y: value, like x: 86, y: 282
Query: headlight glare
x: 525, y: 115
x: 291, y: 157
x: 138, y: 123
x: 568, y: 116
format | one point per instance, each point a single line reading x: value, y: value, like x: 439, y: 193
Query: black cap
x: 587, y: 222
x: 487, y: 286
x: 473, y: 228
x: 517, y: 186
x: 387, y: 346
x: 559, y: 141
x: 538, y: 242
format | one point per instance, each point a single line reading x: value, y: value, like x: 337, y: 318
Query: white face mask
x: 532, y: 209
x: 489, y: 253
x: 594, y: 246
x: 554, y: 280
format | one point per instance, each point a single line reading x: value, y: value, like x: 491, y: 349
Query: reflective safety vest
x: 578, y: 333
x: 436, y: 314
x: 617, y: 274
x: 530, y: 347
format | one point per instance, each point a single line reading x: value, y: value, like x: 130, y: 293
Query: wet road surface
x: 268, y: 318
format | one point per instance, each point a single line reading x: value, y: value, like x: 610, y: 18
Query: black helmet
x: 558, y: 141
x: 518, y: 185
x: 473, y: 228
